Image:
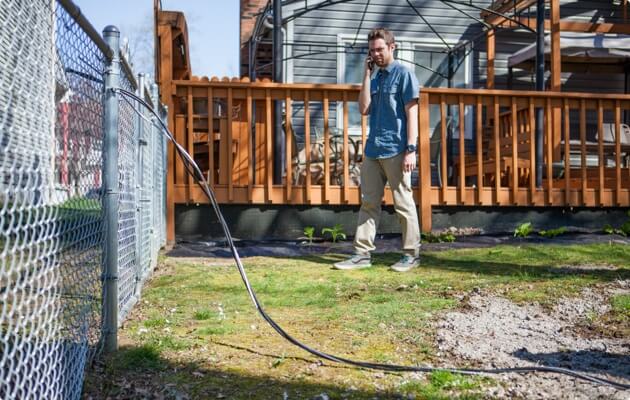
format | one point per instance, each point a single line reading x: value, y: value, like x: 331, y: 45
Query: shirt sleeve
x: 410, y: 87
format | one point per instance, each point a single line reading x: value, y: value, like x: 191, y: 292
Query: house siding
x: 323, y: 26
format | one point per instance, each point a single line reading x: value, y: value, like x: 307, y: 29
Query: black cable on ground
x: 196, y: 173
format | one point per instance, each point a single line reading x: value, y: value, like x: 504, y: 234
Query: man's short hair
x: 381, y: 33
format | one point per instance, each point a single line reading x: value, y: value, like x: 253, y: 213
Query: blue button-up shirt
x: 391, y: 88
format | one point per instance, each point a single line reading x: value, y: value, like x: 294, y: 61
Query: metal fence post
x: 138, y: 142
x: 166, y: 177
x: 111, y: 34
x: 155, y: 137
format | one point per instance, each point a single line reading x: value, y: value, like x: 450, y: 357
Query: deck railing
x: 476, y: 147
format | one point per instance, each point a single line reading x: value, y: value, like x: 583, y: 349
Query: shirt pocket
x: 391, y: 89
x: 391, y: 97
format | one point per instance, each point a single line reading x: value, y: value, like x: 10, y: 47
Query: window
x: 352, y: 73
x: 431, y: 66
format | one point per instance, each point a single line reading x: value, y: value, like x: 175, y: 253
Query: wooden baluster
x: 567, y: 154
x: 250, y: 148
x: 600, y: 150
x: 515, y: 155
x: 549, y: 142
x: 497, y: 151
x: 268, y: 148
x: 462, y: 151
x: 617, y: 152
x: 307, y: 147
x: 346, y: 177
x: 211, y: 167
x: 189, y: 140
x: 288, y: 132
x: 326, y: 149
x: 230, y: 146
x: 532, y: 151
x: 479, y: 150
x: 443, y: 171
x: 583, y: 148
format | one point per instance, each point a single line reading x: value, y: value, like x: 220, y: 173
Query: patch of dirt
x: 493, y: 332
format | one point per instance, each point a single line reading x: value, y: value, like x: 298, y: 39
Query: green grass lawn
x: 195, y: 330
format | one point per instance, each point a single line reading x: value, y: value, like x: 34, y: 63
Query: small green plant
x: 623, y: 230
x: 202, y: 315
x: 609, y: 229
x: 447, y: 237
x: 278, y: 361
x: 309, y: 232
x: 552, y: 233
x: 336, y: 232
x: 621, y: 304
x: 429, y: 237
x: 523, y: 230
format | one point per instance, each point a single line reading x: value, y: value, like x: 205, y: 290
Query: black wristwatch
x: 411, y: 148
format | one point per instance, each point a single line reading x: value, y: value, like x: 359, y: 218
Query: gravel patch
x: 493, y: 332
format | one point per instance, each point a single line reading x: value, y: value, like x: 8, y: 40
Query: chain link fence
x: 53, y: 241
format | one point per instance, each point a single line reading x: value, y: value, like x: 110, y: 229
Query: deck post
x: 424, y: 164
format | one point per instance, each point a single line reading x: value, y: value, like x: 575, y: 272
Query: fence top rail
x: 245, y: 83
x: 265, y: 84
x: 75, y: 12
x: 128, y: 71
x: 525, y: 93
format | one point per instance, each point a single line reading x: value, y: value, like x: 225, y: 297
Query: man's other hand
x: 409, y: 161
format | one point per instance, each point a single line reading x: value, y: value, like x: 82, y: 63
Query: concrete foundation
x: 288, y: 222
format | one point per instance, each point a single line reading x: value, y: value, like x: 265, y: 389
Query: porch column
x: 424, y: 164
x: 556, y: 66
x: 164, y: 79
x: 555, y: 84
x: 540, y: 86
x: 490, y: 52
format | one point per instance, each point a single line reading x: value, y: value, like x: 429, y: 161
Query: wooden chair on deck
x: 506, y: 151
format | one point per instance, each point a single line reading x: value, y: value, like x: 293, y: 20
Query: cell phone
x: 370, y: 63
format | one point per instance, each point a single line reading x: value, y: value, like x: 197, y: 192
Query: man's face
x: 382, y: 54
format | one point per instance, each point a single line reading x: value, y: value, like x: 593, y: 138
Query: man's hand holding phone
x: 369, y: 63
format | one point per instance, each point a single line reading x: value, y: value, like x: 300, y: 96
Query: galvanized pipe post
x: 111, y: 195
x: 139, y: 141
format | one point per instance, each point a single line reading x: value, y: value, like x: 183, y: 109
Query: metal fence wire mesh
x: 51, y: 199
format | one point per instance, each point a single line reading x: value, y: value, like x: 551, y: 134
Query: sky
x: 213, y: 30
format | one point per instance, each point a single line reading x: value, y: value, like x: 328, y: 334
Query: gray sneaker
x: 406, y: 263
x: 357, y: 261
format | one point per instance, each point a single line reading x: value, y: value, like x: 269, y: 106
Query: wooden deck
x: 228, y: 125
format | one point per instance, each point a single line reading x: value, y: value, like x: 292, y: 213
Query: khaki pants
x: 374, y: 174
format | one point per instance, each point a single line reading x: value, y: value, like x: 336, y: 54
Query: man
x: 391, y: 101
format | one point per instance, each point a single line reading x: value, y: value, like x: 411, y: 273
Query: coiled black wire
x: 196, y: 173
